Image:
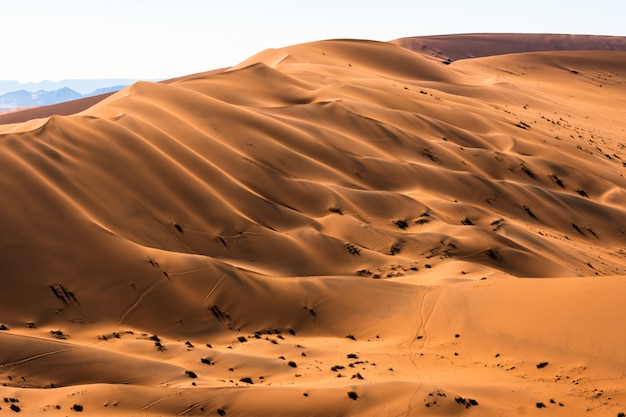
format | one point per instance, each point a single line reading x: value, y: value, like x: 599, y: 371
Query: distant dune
x: 334, y: 228
x: 455, y: 47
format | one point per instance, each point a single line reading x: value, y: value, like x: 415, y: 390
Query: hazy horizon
x: 153, y: 40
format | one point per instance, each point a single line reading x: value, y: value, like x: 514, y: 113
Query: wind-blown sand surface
x: 334, y: 228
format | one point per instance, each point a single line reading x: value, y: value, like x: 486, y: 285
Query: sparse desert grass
x: 527, y: 171
x: 352, y: 249
x: 556, y: 180
x: 467, y: 402
x: 401, y: 223
x: 582, y: 192
x: 529, y: 212
x: 493, y: 254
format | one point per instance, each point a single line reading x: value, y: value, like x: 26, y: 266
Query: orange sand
x: 334, y: 228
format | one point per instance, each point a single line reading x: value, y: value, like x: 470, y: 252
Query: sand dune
x: 476, y: 45
x: 333, y: 228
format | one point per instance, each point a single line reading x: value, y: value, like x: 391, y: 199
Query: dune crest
x: 341, y: 227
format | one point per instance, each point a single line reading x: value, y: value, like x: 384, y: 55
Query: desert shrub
x: 493, y: 254
x: 77, y: 407
x: 292, y: 364
x: 401, y: 223
x: 527, y: 171
x: 191, y: 374
x: 529, y: 212
x: 466, y: 221
x: 540, y: 405
x: 336, y: 210
x: 352, y: 249
x: 353, y: 395
x: 247, y: 380
x: 578, y: 229
x: 467, y: 402
x: 542, y: 365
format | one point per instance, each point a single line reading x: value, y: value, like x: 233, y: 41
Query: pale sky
x: 150, y: 39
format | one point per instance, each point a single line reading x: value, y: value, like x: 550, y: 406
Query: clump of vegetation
x: 191, y: 374
x: 336, y: 210
x: 493, y: 254
x: 311, y: 311
x: 15, y: 407
x: 582, y: 192
x: 337, y: 367
x: 58, y: 334
x: 221, y: 412
x: 466, y: 221
x: 540, y: 405
x: 395, y: 248
x: 207, y: 361
x: 556, y: 180
x: 353, y: 356
x: 242, y: 339
x: 3, y: 327
x: 401, y: 223
x: 578, y: 229
x: 78, y: 408
x: 358, y: 376
x: 351, y: 337
x: 523, y: 125
x: 352, y: 249
x: 353, y: 395
x: 247, y: 380
x: 542, y: 365
x: 529, y: 212
x: 221, y: 315
x: 527, y: 171
x: 292, y: 364
x: 467, y: 402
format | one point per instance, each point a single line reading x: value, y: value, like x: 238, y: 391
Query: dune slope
x: 334, y: 228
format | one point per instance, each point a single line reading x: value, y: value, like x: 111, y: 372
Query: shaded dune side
x: 268, y: 197
x: 476, y: 45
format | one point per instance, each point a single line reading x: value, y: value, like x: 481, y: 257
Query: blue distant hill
x: 14, y: 94
x: 80, y: 86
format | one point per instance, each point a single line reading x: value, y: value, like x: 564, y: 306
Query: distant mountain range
x: 24, y: 98
x: 14, y: 94
x: 84, y: 86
